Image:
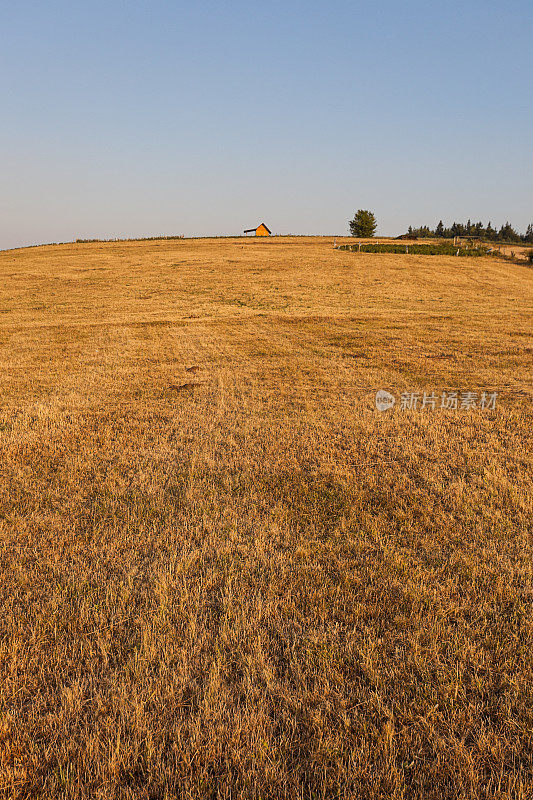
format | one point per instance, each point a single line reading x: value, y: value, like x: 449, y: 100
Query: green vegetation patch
x: 417, y: 249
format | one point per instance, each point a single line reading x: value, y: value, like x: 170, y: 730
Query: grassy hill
x: 223, y: 572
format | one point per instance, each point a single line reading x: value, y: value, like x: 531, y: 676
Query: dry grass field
x: 223, y: 572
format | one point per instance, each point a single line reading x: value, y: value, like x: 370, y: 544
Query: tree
x: 508, y: 234
x: 363, y: 224
x: 529, y: 234
x: 490, y: 232
x: 439, y: 230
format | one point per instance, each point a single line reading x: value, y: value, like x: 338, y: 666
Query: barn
x: 261, y: 230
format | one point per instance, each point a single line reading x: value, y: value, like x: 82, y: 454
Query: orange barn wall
x: 262, y: 231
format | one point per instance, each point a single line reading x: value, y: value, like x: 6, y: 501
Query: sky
x: 132, y: 118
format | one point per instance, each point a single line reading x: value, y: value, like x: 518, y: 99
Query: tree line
x: 364, y: 225
x: 506, y: 233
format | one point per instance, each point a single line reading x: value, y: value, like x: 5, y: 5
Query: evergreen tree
x: 490, y: 232
x: 508, y: 234
x: 439, y: 230
x: 529, y: 234
x: 363, y: 224
x: 458, y: 229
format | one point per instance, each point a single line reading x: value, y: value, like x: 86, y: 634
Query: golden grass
x: 224, y: 573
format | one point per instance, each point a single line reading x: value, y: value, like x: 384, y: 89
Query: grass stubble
x: 224, y: 573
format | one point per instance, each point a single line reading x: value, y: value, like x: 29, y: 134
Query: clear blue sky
x: 141, y: 118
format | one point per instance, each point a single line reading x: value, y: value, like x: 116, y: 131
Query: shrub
x: 444, y: 249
